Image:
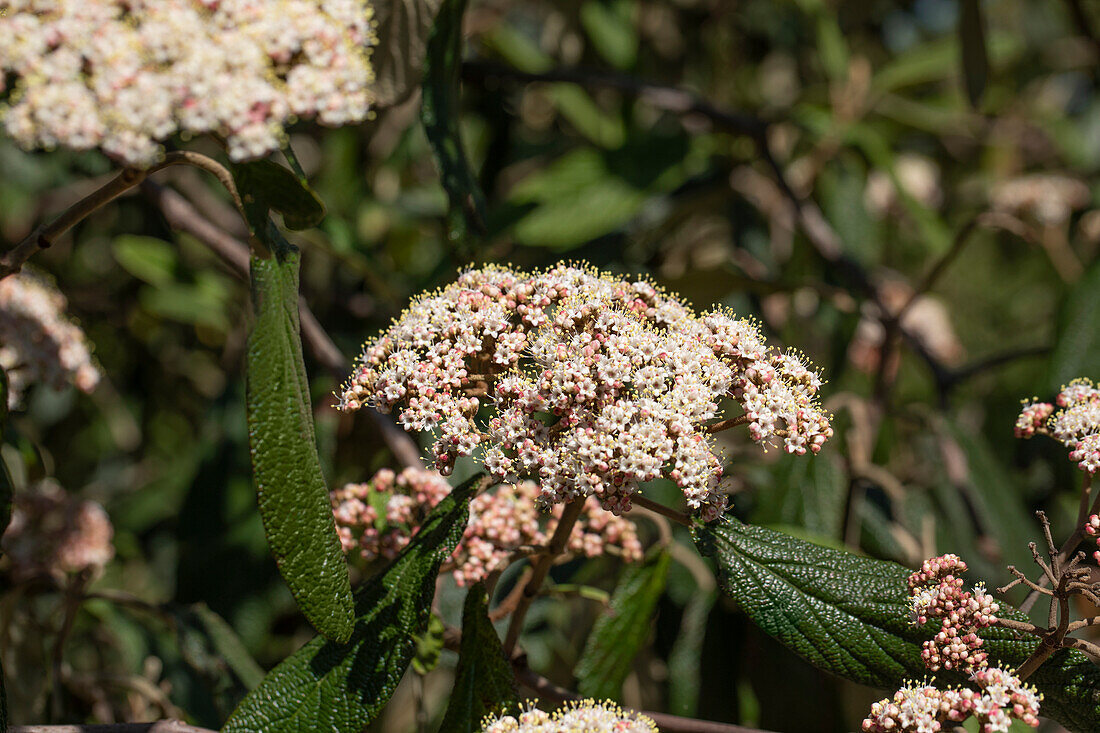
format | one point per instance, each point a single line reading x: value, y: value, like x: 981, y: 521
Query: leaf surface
x: 342, y: 687
x: 849, y: 615
x: 402, y: 27
x: 484, y: 683
x: 620, y: 633
x: 290, y: 488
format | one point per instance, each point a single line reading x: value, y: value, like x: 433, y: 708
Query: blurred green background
x: 905, y: 122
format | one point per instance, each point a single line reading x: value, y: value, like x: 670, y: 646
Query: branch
x: 160, y: 726
x: 540, y: 569
x: 183, y: 216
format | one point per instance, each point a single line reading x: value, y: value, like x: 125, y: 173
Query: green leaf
x: 148, y: 259
x: 342, y: 687
x: 428, y: 646
x: 684, y: 660
x: 610, y: 26
x: 484, y: 683
x: 440, y: 112
x: 974, y: 55
x: 402, y: 28
x: 621, y: 632
x: 197, y: 625
x: 849, y: 615
x: 291, y: 490
x: 281, y: 189
x: 810, y: 494
x: 1077, y: 350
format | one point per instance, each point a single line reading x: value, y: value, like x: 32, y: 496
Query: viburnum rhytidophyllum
x: 1074, y: 421
x: 377, y: 519
x: 38, y: 343
x: 583, y: 716
x: 584, y: 382
x: 936, y: 592
x: 54, y: 533
x: 122, y: 74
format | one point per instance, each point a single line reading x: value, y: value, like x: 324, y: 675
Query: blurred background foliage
x: 907, y: 123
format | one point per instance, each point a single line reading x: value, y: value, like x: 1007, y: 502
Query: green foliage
x: 1077, y: 350
x: 685, y: 658
x: 439, y: 111
x: 850, y: 615
x: 342, y: 687
x: 429, y: 645
x: 402, y: 28
x: 282, y: 190
x: 620, y: 633
x: 290, y: 488
x: 484, y: 684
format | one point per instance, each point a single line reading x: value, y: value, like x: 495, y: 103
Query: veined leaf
x: 484, y: 683
x: 621, y: 631
x: 849, y: 615
x: 342, y: 687
x: 402, y: 27
x: 440, y: 114
x: 290, y: 488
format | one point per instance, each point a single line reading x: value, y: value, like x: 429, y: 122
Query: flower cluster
x: 38, y: 343
x: 54, y: 533
x: 936, y: 591
x: 1074, y: 421
x: 122, y: 74
x: 1092, y: 528
x: 584, y: 716
x: 587, y: 383
x: 925, y: 709
x: 377, y: 519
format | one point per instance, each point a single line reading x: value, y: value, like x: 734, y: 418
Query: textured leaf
x: 484, y: 683
x: 849, y: 615
x: 342, y: 687
x: 440, y: 114
x: 621, y: 632
x: 1077, y: 350
x: 402, y: 27
x: 281, y: 189
x: 291, y: 490
x: 974, y: 55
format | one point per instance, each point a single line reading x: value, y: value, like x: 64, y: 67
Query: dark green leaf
x: 342, y: 687
x: 219, y: 640
x: 975, y: 57
x: 621, y: 632
x: 440, y: 114
x: 269, y: 184
x: 291, y: 490
x: 849, y: 615
x: 428, y: 646
x: 1077, y: 350
x: 402, y: 28
x: 810, y: 494
x: 484, y: 684
x: 684, y: 659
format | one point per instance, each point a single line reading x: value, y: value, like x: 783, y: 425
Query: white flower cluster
x: 38, y: 343
x: 584, y: 716
x: 122, y: 74
x: 586, y: 383
x: 926, y: 709
x: 1074, y: 420
x: 55, y: 533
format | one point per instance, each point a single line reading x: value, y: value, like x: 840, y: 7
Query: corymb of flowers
x: 122, y: 74
x: 586, y: 383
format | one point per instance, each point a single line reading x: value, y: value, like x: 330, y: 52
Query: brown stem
x: 539, y: 570
x: 160, y: 726
x: 727, y: 424
x: 44, y: 236
x: 664, y: 511
x: 1021, y: 626
x: 508, y: 605
x: 1084, y: 510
